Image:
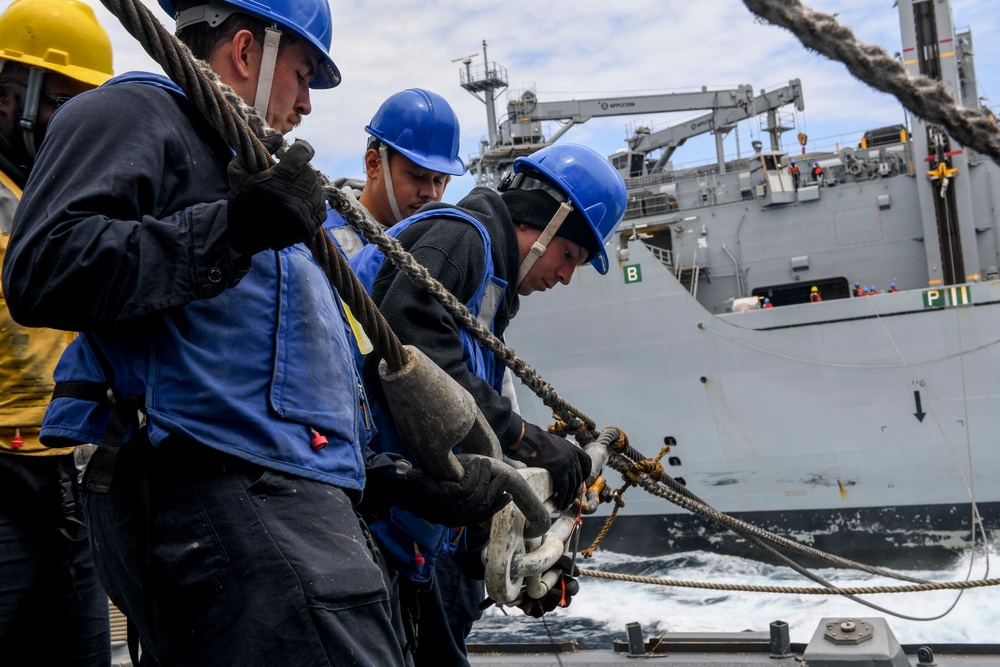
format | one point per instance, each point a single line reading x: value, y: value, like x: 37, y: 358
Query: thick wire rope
x: 924, y: 97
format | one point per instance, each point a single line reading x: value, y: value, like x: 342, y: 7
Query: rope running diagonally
x: 923, y: 96
x: 796, y: 590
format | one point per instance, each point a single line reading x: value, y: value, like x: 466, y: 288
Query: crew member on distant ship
x: 872, y: 291
x: 817, y: 173
x: 767, y: 303
x: 892, y: 287
x: 858, y: 290
x: 794, y: 171
x: 814, y: 296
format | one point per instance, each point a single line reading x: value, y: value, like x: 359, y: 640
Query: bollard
x: 781, y: 644
x: 636, y: 645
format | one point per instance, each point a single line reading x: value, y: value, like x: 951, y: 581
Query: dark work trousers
x: 53, y: 610
x: 447, y: 611
x: 247, y: 566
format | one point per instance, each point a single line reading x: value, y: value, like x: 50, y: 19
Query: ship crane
x: 720, y: 121
x: 526, y: 114
x: 521, y: 132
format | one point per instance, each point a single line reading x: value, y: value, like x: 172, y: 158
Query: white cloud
x: 592, y: 48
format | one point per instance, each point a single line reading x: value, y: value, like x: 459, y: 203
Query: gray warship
x: 854, y: 423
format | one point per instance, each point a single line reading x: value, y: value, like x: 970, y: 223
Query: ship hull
x: 908, y: 537
x: 877, y: 407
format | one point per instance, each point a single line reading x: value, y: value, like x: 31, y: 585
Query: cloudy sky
x: 594, y: 48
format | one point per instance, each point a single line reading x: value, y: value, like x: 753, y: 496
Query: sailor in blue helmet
x: 220, y: 498
x: 411, y: 156
x: 552, y: 215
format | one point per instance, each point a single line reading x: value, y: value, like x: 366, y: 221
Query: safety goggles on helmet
x: 525, y: 181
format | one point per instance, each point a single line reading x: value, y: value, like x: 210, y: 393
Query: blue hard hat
x: 766, y: 300
x: 892, y: 284
x: 792, y: 161
x: 422, y: 126
x: 307, y: 19
x: 857, y: 284
x: 593, y: 186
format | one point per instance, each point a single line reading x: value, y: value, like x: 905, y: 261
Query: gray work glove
x: 278, y: 207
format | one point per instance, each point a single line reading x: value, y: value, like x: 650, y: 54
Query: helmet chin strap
x: 214, y: 13
x: 29, y: 115
x: 268, y: 60
x: 542, y: 242
x: 389, y: 192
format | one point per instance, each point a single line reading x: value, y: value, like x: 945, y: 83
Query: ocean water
x: 599, y: 613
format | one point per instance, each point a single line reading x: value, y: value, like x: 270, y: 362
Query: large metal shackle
x: 435, y: 415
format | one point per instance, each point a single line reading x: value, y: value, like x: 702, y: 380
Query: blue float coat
x: 131, y: 245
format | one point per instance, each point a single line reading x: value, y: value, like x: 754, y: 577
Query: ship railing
x: 649, y: 180
x: 663, y: 256
x: 641, y: 206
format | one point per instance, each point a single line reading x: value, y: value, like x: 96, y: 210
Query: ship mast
x: 487, y: 79
x: 932, y: 49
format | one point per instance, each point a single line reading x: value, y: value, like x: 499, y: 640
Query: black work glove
x: 278, y: 207
x: 473, y: 499
x: 559, y: 595
x: 568, y: 465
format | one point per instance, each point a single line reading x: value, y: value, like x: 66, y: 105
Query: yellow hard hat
x: 814, y: 289
x: 61, y: 36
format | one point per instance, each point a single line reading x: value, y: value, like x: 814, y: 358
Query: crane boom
x: 529, y: 109
x: 719, y: 120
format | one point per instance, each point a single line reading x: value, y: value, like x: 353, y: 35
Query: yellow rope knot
x: 563, y: 429
x: 651, y: 467
x: 621, y: 443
